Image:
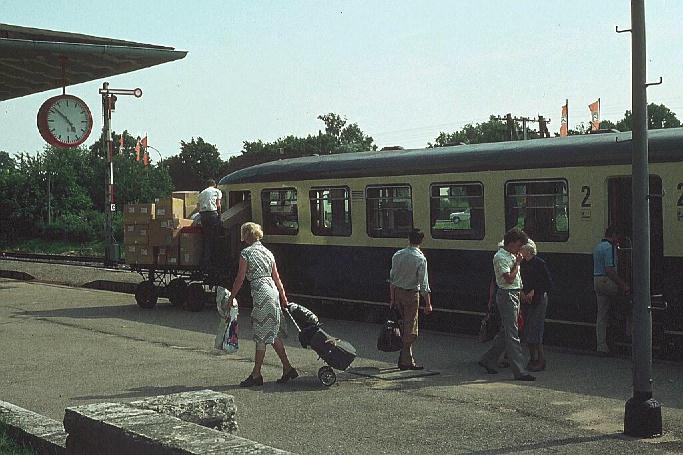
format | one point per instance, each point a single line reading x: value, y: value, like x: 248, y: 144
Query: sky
x: 404, y: 71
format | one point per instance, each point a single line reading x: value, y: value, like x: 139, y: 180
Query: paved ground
x: 65, y: 346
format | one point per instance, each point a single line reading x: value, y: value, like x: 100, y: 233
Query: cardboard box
x: 169, y: 208
x: 190, y: 247
x: 175, y: 223
x: 138, y: 213
x: 135, y: 234
x: 166, y: 232
x: 167, y: 255
x: 190, y: 199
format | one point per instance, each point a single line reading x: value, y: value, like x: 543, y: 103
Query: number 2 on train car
x: 586, y: 199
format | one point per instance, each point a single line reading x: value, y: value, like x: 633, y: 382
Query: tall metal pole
x: 107, y: 147
x: 643, y: 417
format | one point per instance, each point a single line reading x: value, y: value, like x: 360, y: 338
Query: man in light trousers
x: 508, y: 286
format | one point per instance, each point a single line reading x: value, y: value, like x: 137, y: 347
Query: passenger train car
x: 334, y: 222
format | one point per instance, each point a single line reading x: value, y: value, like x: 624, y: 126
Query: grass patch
x: 8, y: 446
x: 94, y: 248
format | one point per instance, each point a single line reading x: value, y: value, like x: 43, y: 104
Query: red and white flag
x: 564, y: 120
x: 145, y: 156
x: 137, y: 150
x: 595, y: 115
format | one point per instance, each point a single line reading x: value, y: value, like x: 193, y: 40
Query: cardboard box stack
x: 152, y: 233
x: 136, y: 224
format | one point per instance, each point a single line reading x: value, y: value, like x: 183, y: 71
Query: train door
x: 620, y: 214
x: 619, y: 193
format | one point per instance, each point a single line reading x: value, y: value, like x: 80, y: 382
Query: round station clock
x: 64, y: 121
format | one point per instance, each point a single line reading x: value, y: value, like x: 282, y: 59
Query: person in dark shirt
x: 537, y: 283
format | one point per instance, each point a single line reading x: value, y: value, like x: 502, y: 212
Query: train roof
x: 665, y: 145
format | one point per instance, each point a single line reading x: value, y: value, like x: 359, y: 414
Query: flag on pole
x: 145, y: 156
x: 564, y: 120
x: 595, y: 115
x: 137, y: 150
x: 121, y: 143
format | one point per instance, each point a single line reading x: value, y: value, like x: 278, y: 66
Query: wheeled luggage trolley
x: 337, y: 354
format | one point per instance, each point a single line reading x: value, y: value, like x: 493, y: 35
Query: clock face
x: 64, y: 121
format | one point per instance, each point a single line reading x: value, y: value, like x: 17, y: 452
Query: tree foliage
x: 58, y: 193
x: 197, y: 161
x: 339, y: 137
x: 658, y: 116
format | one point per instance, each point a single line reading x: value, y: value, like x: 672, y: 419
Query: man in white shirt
x: 209, y: 206
x: 508, y: 286
x: 408, y: 279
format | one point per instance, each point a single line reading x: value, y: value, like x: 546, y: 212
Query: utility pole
x: 513, y: 134
x: 643, y: 414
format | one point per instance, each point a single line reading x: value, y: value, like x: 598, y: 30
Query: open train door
x: 620, y: 214
x: 238, y: 213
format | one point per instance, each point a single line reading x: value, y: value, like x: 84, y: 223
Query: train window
x: 539, y: 207
x: 280, y: 211
x: 389, y: 211
x: 330, y: 211
x: 457, y: 211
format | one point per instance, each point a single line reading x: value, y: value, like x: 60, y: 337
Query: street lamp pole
x: 161, y: 158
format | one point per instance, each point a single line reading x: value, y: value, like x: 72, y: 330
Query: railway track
x: 90, y: 261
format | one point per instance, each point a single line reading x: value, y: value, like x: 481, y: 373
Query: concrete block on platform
x: 40, y: 433
x: 116, y: 428
x: 207, y: 408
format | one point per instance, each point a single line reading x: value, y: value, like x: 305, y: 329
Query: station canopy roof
x: 31, y: 59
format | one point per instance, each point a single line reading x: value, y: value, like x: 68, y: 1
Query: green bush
x: 8, y: 446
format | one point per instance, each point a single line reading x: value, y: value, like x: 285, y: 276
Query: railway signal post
x: 643, y: 414
x: 111, y: 251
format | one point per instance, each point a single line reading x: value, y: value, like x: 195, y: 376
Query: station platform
x: 64, y: 346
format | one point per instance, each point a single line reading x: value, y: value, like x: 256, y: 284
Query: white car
x: 457, y: 217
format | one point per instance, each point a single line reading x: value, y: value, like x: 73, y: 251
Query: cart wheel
x: 177, y: 292
x: 195, y: 297
x: 146, y: 294
x: 327, y: 376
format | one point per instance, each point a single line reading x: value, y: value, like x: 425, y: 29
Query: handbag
x: 490, y: 325
x: 389, y: 339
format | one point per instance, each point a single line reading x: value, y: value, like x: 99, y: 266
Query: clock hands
x: 73, y: 128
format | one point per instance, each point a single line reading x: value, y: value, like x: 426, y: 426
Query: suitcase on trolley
x: 335, y: 352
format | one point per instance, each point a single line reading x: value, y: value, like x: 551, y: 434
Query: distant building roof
x: 31, y: 59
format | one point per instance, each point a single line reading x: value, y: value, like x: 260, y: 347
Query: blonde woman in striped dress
x: 257, y: 264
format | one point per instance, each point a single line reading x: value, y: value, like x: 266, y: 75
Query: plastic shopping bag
x: 230, y: 342
x: 227, y: 333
